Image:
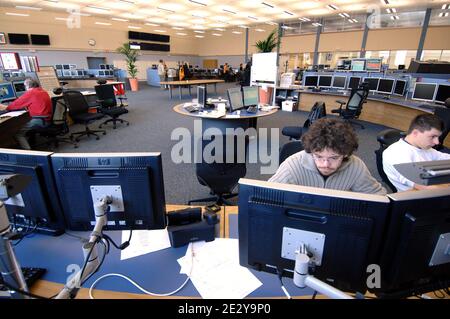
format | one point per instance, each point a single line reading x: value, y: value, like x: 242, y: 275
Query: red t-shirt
x: 36, y: 101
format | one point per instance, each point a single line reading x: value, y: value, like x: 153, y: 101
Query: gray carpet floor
x: 153, y: 120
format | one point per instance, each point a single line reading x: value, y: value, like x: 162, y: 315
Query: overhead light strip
x: 127, y: 1
x: 17, y: 14
x: 290, y: 13
x: 167, y: 10
x: 98, y: 8
x: 199, y: 3
x: 332, y: 7
x: 253, y: 18
x: 229, y: 11
x: 445, y: 6
x: 29, y: 8
x: 268, y: 5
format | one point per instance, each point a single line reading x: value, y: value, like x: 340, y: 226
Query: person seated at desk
x: 423, y: 134
x: 38, y: 103
x: 327, y: 160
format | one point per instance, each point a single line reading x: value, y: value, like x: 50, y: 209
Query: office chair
x: 220, y: 178
x: 444, y: 115
x: 353, y: 106
x: 79, y: 113
x: 107, y: 100
x: 288, y: 149
x: 58, y: 126
x: 295, y: 132
x: 386, y: 138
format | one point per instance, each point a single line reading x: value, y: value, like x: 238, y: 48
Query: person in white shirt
x: 423, y: 134
x: 162, y: 72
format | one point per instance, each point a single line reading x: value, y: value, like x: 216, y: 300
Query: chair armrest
x: 341, y: 102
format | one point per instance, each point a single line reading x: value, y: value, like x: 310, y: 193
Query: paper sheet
x: 216, y: 272
x: 13, y: 113
x: 144, y: 242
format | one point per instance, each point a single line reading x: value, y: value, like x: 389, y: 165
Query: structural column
x: 423, y: 35
x: 246, y: 45
x: 362, y: 53
x: 316, y: 48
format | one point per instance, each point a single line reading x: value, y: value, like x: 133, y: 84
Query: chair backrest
x: 75, y: 102
x: 357, y: 98
x: 106, y: 94
x: 444, y: 115
x: 221, y: 176
x: 317, y: 111
x: 289, y: 149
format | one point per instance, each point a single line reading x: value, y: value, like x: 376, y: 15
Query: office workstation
x: 140, y: 174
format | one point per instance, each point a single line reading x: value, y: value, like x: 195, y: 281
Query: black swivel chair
x: 107, y: 100
x: 444, y: 115
x: 79, y: 113
x: 354, y: 105
x: 220, y: 178
x: 295, y: 132
x: 288, y: 149
x: 386, y: 138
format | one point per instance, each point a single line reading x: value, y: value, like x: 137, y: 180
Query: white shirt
x: 403, y: 152
x: 161, y: 69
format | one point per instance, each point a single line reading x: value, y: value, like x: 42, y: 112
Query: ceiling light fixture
x: 271, y: 23
x: 443, y: 14
x: 199, y: 36
x: 119, y: 19
x: 344, y: 15
x: 260, y: 30
x: 29, y: 8
x: 181, y: 33
x: 286, y: 27
x: 167, y: 10
x: 127, y: 1
x: 445, y: 6
x: 198, y: 31
x: 385, y: 1
x: 253, y: 18
x: 152, y: 24
x: 217, y: 34
x: 304, y: 19
x: 236, y: 32
x: 316, y: 24
x: 134, y: 27
x: 391, y: 10
x: 219, y: 29
x: 287, y: 12
x: 17, y: 14
x: 158, y: 30
x: 197, y: 2
x: 332, y: 7
x: 102, y: 23
x: 177, y: 28
x: 395, y: 17
x: 229, y: 11
x: 98, y: 8
x: 268, y: 5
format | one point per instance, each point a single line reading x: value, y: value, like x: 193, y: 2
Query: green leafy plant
x: 268, y: 44
x: 131, y: 57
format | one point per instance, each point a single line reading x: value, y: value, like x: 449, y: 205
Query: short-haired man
x: 423, y: 134
x: 38, y: 103
x: 327, y: 160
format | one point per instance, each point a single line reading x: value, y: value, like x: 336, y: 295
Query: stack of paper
x: 215, y: 271
x: 144, y: 242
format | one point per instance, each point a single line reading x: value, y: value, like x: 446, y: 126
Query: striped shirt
x: 352, y: 175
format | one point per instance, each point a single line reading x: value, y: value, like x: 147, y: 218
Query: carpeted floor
x: 153, y: 121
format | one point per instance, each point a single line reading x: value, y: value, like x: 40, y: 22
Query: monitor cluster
x: 9, y: 91
x: 431, y: 92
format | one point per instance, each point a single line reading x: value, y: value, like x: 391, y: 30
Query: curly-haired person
x: 327, y: 160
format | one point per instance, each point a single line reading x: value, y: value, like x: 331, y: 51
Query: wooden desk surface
x: 192, y: 82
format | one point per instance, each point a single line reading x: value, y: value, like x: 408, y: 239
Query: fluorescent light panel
x: 102, y: 23
x: 28, y: 8
x: 198, y: 2
x: 332, y: 7
x: 17, y: 14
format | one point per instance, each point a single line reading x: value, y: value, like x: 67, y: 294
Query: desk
x: 188, y: 84
x: 395, y: 112
x: 9, y: 126
x: 242, y: 121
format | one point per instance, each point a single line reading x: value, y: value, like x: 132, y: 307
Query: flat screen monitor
x: 342, y: 230
x: 424, y: 91
x: 18, y: 38
x: 40, y: 39
x: 385, y: 86
x: 7, y: 92
x: 37, y: 206
x: 415, y: 256
x: 80, y: 72
x: 339, y: 82
x: 101, y: 73
x: 102, y: 66
x: 311, y: 80
x: 353, y: 82
x: 400, y: 87
x: 67, y: 73
x: 235, y: 99
x: 58, y: 66
x: 250, y: 94
x: 19, y: 88
x: 201, y: 96
x: 373, y: 65
x: 442, y: 93
x: 325, y: 81
x: 133, y: 180
x: 358, y: 65
x: 373, y: 83
x: 66, y: 67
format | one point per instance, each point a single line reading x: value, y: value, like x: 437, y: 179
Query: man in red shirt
x: 38, y: 103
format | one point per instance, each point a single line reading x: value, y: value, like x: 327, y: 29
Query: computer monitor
x: 342, y: 230
x: 201, y: 96
x: 67, y: 73
x: 442, y: 93
x: 353, y: 82
x: 37, y: 206
x: 311, y: 80
x: 19, y: 88
x: 424, y: 91
x: 103, y: 66
x: 58, y: 66
x: 325, y: 81
x: 373, y: 83
x: 7, y: 92
x: 358, y: 65
x: 235, y: 99
x: 251, y: 95
x: 373, y: 64
x: 101, y: 73
x: 133, y: 180
x: 415, y: 256
x: 66, y: 67
x: 339, y: 82
x: 385, y: 86
x: 80, y: 72
x: 400, y: 86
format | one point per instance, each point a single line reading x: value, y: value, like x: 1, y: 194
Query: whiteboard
x: 264, y: 69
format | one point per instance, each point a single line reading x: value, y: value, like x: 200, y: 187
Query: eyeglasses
x: 332, y: 159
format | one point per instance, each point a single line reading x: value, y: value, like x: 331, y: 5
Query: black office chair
x: 107, y: 100
x: 295, y: 132
x: 79, y: 113
x: 444, y: 115
x: 220, y: 178
x: 386, y: 138
x: 288, y: 149
x: 354, y: 105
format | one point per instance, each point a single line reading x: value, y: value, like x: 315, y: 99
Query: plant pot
x: 134, y: 84
x: 265, y: 95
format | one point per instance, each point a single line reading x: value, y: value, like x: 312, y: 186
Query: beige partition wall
x: 340, y: 41
x: 298, y: 43
x: 393, y: 39
x: 438, y: 38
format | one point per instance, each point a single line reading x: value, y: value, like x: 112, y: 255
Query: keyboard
x: 31, y: 275
x: 252, y: 109
x: 3, y: 112
x: 191, y: 108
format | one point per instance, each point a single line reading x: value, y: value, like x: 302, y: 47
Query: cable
x: 280, y: 277
x: 25, y: 293
x: 314, y: 294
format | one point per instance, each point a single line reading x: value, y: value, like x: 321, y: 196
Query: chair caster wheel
x: 128, y: 124
x: 97, y: 138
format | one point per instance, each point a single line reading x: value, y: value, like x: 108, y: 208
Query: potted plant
x: 131, y: 57
x: 266, y: 46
